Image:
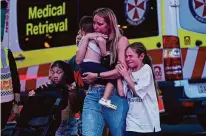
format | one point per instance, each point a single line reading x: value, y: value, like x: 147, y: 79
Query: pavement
x: 189, y: 127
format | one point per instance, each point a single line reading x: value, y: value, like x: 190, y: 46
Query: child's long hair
x: 68, y: 72
x: 139, y: 48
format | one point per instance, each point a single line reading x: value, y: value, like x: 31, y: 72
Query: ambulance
x: 174, y: 31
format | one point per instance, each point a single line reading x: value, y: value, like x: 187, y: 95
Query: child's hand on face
x: 94, y: 36
x: 122, y: 70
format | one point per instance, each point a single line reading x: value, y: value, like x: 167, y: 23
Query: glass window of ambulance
x: 192, y: 15
x: 147, y: 10
x: 3, y: 15
x: 46, y: 23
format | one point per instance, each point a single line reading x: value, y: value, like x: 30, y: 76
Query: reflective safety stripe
x: 33, y: 77
x: 7, y: 94
x: 3, y: 58
x: 161, y: 104
x: 193, y: 61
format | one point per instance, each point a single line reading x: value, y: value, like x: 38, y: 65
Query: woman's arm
x: 122, y: 45
x: 112, y: 74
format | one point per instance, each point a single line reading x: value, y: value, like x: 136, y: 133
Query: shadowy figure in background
x: 10, y: 86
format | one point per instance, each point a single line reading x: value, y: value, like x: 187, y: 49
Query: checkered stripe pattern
x: 5, y: 93
x: 33, y: 77
x: 6, y: 76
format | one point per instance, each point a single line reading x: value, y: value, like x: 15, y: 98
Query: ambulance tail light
x: 170, y: 42
x: 188, y: 104
x: 172, y: 58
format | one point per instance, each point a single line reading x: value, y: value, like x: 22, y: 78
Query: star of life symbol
x: 135, y: 11
x: 198, y: 9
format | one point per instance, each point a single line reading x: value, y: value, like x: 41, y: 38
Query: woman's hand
x: 32, y: 93
x: 122, y: 70
x: 94, y: 36
x: 15, y: 109
x: 17, y: 97
x: 100, y: 40
x: 89, y: 77
x: 45, y: 84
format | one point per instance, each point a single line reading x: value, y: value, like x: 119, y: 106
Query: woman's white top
x: 143, y: 114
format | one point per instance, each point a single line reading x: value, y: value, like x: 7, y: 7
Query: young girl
x: 141, y: 91
x: 61, y: 74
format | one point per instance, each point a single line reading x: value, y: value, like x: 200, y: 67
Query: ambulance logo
x: 136, y: 11
x: 198, y: 9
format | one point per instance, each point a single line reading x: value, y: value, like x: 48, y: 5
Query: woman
x: 94, y: 116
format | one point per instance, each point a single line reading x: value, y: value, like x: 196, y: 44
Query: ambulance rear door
x: 38, y: 33
x: 41, y: 31
x: 191, y: 21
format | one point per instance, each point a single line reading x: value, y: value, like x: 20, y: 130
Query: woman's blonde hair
x: 114, y: 34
